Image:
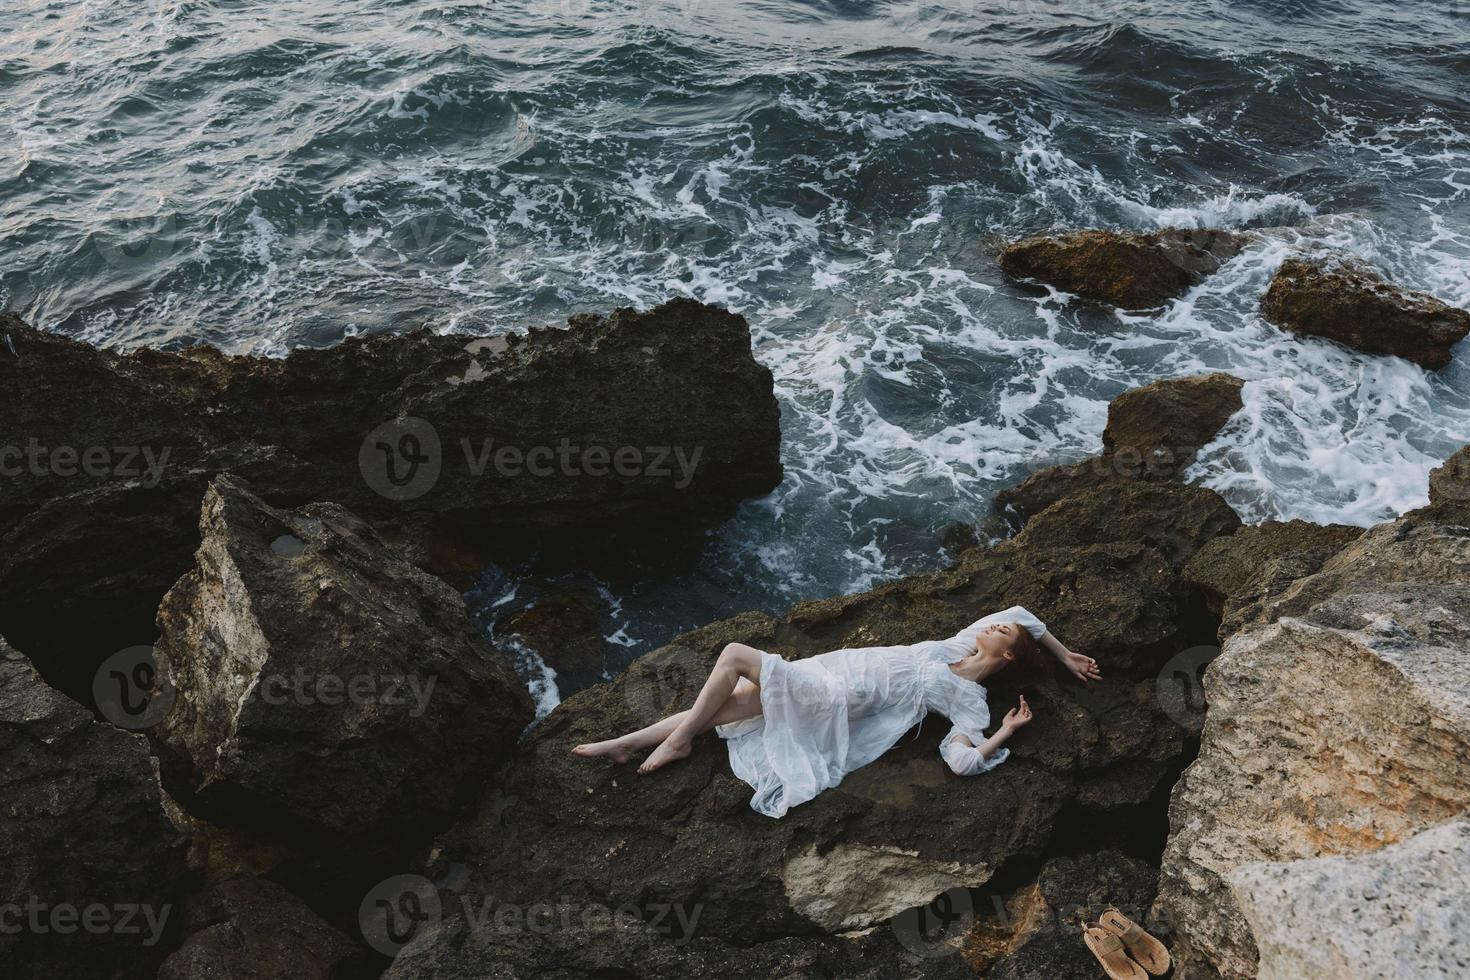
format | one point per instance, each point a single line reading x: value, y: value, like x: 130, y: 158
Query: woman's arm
x: 1083, y: 667
x: 965, y: 758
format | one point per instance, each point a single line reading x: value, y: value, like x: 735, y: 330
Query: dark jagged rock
x: 1153, y: 433
x: 247, y: 928
x: 1132, y: 271
x: 1358, y: 309
x: 903, y: 829
x: 107, y: 455
x: 324, y: 687
x: 572, y: 939
x: 82, y: 834
x: 1239, y: 573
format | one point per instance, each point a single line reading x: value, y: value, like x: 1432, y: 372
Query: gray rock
x: 325, y: 688
x: 1338, y: 729
x: 1403, y: 911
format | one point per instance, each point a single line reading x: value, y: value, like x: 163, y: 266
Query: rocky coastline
x: 1283, y: 724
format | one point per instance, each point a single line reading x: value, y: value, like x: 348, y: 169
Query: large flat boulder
x: 653, y: 421
x: 1132, y: 271
x: 904, y: 829
x: 1337, y: 724
x: 90, y: 866
x: 1401, y: 911
x: 1357, y: 308
x: 1153, y: 434
x: 324, y: 689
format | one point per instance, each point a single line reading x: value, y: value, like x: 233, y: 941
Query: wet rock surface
x: 1131, y: 271
x: 1338, y: 724
x: 90, y: 867
x: 1357, y: 308
x: 324, y: 688
x: 1153, y: 434
x: 497, y: 438
x: 903, y: 829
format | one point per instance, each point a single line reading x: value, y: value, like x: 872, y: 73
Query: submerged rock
x: 90, y: 866
x: 1132, y: 271
x: 1358, y: 309
x: 326, y: 689
x: 247, y: 928
x: 900, y: 831
x: 1153, y: 433
x: 1338, y: 723
x: 655, y: 421
x: 1400, y: 911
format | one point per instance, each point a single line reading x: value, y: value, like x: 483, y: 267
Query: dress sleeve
x: 963, y: 642
x: 966, y: 760
x: 970, y: 714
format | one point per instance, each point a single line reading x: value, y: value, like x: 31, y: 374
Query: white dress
x: 826, y: 716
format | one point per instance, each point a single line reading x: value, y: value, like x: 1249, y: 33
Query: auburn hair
x: 1027, y: 651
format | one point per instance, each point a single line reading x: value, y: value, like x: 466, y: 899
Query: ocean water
x: 264, y: 174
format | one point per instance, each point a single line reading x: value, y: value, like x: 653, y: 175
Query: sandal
x: 1108, y: 949
x: 1148, y: 951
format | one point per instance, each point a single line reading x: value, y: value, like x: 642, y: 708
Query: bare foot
x: 611, y: 749
x: 669, y: 751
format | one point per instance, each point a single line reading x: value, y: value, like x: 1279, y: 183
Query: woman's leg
x: 736, y: 662
x: 744, y: 701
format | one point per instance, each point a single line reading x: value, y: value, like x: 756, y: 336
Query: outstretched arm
x: 1083, y: 667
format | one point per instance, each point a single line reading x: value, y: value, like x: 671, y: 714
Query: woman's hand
x: 1083, y: 668
x: 1017, y: 717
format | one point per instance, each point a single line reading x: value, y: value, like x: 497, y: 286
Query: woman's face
x: 997, y: 638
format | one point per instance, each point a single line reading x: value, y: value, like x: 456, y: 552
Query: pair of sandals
x: 1123, y: 948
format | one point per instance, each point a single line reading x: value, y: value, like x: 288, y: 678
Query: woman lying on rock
x: 797, y: 727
